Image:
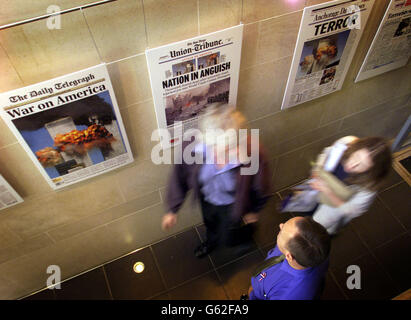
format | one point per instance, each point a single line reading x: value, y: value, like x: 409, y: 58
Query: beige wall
x: 95, y: 221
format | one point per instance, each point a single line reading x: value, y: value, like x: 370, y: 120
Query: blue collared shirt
x: 282, y: 282
x: 217, y: 185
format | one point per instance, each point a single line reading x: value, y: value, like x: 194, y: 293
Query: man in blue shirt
x: 300, y: 265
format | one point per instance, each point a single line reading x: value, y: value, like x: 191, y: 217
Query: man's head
x: 303, y: 241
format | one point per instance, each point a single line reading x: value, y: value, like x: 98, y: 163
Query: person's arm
x: 261, y: 185
x: 358, y: 203
x: 253, y: 292
x: 318, y: 184
x: 176, y: 189
x: 176, y: 192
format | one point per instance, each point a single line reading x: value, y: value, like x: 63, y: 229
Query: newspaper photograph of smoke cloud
x: 73, y: 136
x: 193, y: 103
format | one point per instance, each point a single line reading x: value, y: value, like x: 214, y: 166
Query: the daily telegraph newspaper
x: 70, y: 126
x: 391, y: 47
x: 8, y: 196
x: 327, y: 40
x: 189, y: 76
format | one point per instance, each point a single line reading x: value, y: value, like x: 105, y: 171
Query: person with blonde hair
x: 230, y: 200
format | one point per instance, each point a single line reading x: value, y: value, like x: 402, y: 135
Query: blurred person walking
x: 230, y: 201
x: 346, y: 176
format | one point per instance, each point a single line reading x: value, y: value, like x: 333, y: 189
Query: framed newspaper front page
x: 327, y: 40
x: 189, y: 76
x: 70, y: 126
x: 391, y: 47
x: 8, y: 196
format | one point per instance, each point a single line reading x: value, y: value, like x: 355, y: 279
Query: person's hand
x: 320, y: 185
x: 169, y: 221
x: 250, y: 218
x: 314, y: 173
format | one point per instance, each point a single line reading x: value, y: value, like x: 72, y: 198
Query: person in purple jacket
x: 230, y: 199
x: 296, y: 268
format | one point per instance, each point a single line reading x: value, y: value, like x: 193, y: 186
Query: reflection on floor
x: 378, y: 242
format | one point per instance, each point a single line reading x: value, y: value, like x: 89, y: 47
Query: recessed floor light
x: 138, y: 267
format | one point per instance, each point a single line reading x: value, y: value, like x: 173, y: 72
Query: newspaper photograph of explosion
x: 73, y: 136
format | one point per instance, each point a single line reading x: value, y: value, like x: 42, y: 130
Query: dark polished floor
x: 379, y: 242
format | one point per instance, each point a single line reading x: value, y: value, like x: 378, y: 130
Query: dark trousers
x: 220, y: 229
x: 217, y: 222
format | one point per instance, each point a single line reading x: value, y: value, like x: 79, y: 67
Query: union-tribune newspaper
x: 189, y: 76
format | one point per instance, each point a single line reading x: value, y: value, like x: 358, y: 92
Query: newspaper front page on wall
x: 327, y: 40
x: 391, y: 47
x: 189, y: 76
x: 69, y: 126
x: 8, y: 196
